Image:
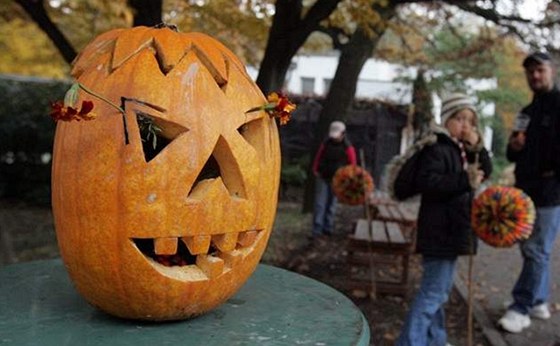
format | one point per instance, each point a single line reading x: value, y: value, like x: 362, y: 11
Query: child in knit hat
x: 448, y: 173
x: 460, y: 107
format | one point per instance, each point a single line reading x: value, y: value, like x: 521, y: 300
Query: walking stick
x: 470, y: 282
x: 470, y: 303
x: 373, y: 287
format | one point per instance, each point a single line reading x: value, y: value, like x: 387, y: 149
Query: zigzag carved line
x: 221, y: 80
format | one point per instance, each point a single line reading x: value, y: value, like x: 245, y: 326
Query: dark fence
x: 372, y: 126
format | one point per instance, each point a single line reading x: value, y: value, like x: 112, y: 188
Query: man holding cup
x: 534, y: 146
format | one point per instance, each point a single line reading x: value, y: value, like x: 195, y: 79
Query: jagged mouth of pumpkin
x: 200, y: 257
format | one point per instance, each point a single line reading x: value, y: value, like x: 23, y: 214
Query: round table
x: 39, y: 306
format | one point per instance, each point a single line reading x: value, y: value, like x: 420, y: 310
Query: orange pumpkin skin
x: 107, y: 196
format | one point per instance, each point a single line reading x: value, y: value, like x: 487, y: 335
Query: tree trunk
x: 339, y: 98
x: 343, y: 88
x: 280, y: 49
x: 284, y: 40
x: 288, y: 33
x: 36, y: 10
x: 422, y: 101
x: 146, y: 12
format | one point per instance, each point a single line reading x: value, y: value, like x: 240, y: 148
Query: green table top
x: 39, y: 306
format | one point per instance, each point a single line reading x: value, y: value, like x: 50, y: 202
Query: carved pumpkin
x: 171, y: 231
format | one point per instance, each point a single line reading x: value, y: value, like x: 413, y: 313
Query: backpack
x: 402, y: 169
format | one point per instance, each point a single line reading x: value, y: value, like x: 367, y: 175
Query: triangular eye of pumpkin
x: 156, y: 134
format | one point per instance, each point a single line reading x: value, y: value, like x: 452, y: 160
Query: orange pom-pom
x: 501, y: 216
x: 351, y: 184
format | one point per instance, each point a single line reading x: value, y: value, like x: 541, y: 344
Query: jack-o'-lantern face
x: 166, y: 227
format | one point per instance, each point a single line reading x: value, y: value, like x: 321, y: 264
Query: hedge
x: 27, y: 134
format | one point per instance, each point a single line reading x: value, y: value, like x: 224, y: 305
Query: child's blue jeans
x: 425, y: 322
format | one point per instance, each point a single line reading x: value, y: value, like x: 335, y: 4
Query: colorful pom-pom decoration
x: 351, y: 184
x: 502, y: 216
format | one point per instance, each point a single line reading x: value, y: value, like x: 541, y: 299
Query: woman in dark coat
x: 449, y: 172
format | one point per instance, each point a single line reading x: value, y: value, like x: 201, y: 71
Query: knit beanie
x: 454, y: 103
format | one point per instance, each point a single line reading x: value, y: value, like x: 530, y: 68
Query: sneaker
x: 540, y: 311
x: 514, y: 322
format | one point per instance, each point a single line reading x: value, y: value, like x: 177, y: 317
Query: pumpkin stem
x: 120, y: 109
x: 93, y: 93
x: 168, y: 26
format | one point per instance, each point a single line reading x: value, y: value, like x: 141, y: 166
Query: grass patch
x: 289, y: 233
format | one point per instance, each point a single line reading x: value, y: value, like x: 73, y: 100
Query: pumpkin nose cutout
x: 220, y: 166
x: 210, y: 170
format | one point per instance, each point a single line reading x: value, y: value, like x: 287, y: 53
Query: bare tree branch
x: 36, y: 10
x: 287, y: 34
x: 336, y: 34
x: 319, y: 11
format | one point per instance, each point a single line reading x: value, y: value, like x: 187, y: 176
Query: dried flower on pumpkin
x: 59, y: 111
x: 67, y: 110
x: 278, y: 106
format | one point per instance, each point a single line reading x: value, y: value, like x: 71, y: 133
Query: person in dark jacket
x: 449, y: 172
x: 334, y: 152
x: 534, y: 146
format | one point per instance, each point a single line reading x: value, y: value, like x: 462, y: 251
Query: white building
x: 312, y: 75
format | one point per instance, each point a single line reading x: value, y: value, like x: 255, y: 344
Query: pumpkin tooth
x: 165, y: 246
x: 247, y: 238
x: 198, y: 244
x: 231, y: 258
x: 225, y: 242
x: 212, y: 266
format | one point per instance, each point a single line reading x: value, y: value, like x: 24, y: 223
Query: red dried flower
x: 278, y: 106
x: 61, y: 112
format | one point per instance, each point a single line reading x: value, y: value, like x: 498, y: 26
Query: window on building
x: 307, y: 86
x: 326, y: 85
